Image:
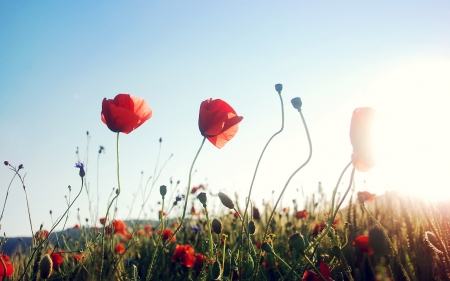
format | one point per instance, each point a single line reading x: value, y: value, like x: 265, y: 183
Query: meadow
x: 374, y: 237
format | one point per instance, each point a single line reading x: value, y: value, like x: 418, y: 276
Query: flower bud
x: 216, y: 226
x: 266, y: 247
x: 362, y: 199
x: 21, y: 166
x: 297, y: 103
x: 226, y: 201
x: 336, y: 252
x: 46, y: 265
x: 6, y: 163
x: 278, y: 88
x: 251, y: 228
x: 216, y: 270
x: 163, y: 190
x: 202, y: 197
x: 297, y: 242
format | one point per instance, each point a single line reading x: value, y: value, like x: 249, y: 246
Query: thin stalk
x: 208, y: 224
x: 259, y: 161
x: 6, y: 198
x: 287, y: 182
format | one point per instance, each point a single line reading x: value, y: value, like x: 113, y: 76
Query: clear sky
x: 59, y: 59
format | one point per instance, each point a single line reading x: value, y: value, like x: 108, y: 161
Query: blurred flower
x: 256, y: 214
x: 335, y: 222
x: 301, y: 214
x: 119, y: 249
x: 218, y: 122
x: 130, y: 261
x: 318, y: 228
x: 196, y: 228
x: 101, y: 149
x: 147, y: 228
x: 57, y: 259
x: 236, y: 215
x: 360, y: 134
x: 226, y: 201
x: 102, y: 221
x: 312, y: 276
x: 367, y: 195
x: 76, y: 226
x: 363, y: 244
x: 119, y: 226
x: 125, y: 113
x: 166, y: 235
x: 9, y: 267
x: 81, y: 167
x: 41, y: 235
x: 194, y: 189
x: 185, y: 255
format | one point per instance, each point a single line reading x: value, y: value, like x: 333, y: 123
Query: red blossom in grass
x: 9, y: 267
x: 301, y: 214
x: 159, y: 213
x: 362, y: 242
x: 78, y: 257
x: 318, y: 228
x: 185, y: 255
x: 360, y: 134
x: 125, y: 113
x: 218, y: 122
x: 367, y: 195
x: 194, y: 189
x: 335, y: 222
x: 41, y: 235
x: 324, y: 270
x: 102, y: 221
x: 236, y: 215
x: 166, y: 235
x: 120, y: 227
x: 141, y: 233
x: 76, y: 226
x: 199, y: 260
x: 147, y: 229
x: 258, y: 244
x: 57, y: 259
x: 119, y: 249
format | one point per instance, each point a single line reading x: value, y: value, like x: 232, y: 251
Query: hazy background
x: 59, y: 59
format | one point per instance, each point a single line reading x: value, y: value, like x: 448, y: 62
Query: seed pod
x: 251, y: 228
x: 297, y: 242
x: 216, y: 226
x: 202, y: 198
x: 266, y: 247
x: 226, y: 201
x: 216, y: 270
x: 163, y: 190
x: 297, y: 103
x: 46, y: 266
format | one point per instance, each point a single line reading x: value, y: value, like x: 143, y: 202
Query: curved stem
x: 259, y: 161
x: 287, y: 265
x: 388, y: 239
x: 287, y: 183
x: 6, y: 198
x: 208, y: 223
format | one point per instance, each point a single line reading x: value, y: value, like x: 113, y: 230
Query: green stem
x: 286, y: 265
x: 110, y: 204
x: 208, y: 225
x: 388, y: 239
x: 287, y: 183
x: 259, y: 161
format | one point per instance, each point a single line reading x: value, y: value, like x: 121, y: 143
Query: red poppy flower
x: 318, y: 228
x: 41, y: 235
x: 363, y: 244
x: 102, y: 221
x: 218, y: 122
x: 301, y: 214
x: 236, y: 215
x: 367, y: 195
x: 78, y: 257
x: 57, y: 259
x: 119, y: 249
x: 199, y: 260
x: 147, y: 228
x: 324, y: 270
x: 125, y: 113
x: 120, y: 227
x: 9, y: 267
x: 76, y: 226
x: 185, y: 255
x: 360, y: 134
x: 166, y: 235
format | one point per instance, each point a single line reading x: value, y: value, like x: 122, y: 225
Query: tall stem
x: 287, y: 183
x: 259, y: 161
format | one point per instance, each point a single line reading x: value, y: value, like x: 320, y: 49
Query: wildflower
x: 164, y: 214
x: 312, y: 276
x: 76, y: 226
x: 57, y: 259
x: 147, y: 229
x: 6, y: 163
x: 78, y: 257
x: 218, y: 122
x: 256, y: 214
x: 119, y: 226
x: 360, y: 133
x: 80, y: 165
x: 130, y: 261
x: 363, y: 244
x: 21, y: 167
x: 125, y: 113
x: 166, y: 235
x: 101, y: 149
x: 194, y: 190
x: 9, y: 267
x: 119, y: 249
x: 301, y: 214
x: 236, y: 215
x: 196, y: 228
x: 318, y: 228
x: 185, y: 255
x: 367, y: 195
x: 41, y: 235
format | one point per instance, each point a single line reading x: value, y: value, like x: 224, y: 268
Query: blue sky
x: 59, y: 59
